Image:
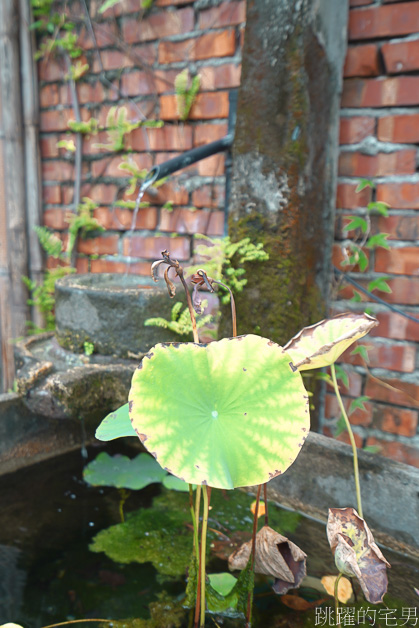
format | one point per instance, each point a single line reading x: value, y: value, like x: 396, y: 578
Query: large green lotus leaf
x: 321, y: 344
x: 115, y: 425
x: 123, y: 472
x: 227, y: 414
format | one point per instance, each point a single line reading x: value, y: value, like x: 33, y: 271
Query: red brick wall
x: 379, y: 138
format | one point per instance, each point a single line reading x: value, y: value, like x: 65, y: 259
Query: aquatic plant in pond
x: 228, y: 414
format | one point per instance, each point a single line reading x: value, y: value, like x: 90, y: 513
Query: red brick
x: 405, y: 291
x: 82, y: 265
x: 402, y: 128
x: 396, y: 451
x: 167, y: 138
x: 209, y: 196
x: 344, y: 438
x: 399, y: 227
x: 158, y: 25
x: 58, y: 120
x: 391, y: 356
x: 352, y: 164
x: 357, y: 417
x: 50, y: 70
x: 122, y: 8
x: 106, y: 33
x: 354, y: 388
x: 140, y: 83
x: 353, y: 130
x: 385, y: 21
x: 102, y: 193
x: 103, y: 245
x: 129, y: 268
x: 395, y: 420
x: 187, y: 221
x: 399, y: 195
x: 51, y: 194
x: 393, y: 391
x: 401, y: 56
x: 220, y: 76
x: 396, y: 326
x: 170, y: 191
x: 151, y: 247
x: 49, y: 146
x: 347, y: 198
x: 120, y: 218
x: 204, y: 133
x: 399, y: 261
x: 208, y: 46
x: 109, y: 166
x: 57, y: 171
x: 362, y: 61
x: 212, y: 166
x: 206, y: 106
x: 49, y: 96
x: 381, y: 92
x: 226, y: 14
x: 55, y: 219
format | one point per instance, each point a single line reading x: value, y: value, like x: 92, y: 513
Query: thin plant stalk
x: 194, y: 521
x: 190, y: 306
x: 252, y: 558
x: 80, y: 621
x: 352, y: 439
x: 205, y: 493
x: 265, y: 498
x: 337, y: 599
x: 233, y: 307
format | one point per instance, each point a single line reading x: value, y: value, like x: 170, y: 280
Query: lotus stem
x: 265, y: 498
x: 190, y: 306
x: 198, y: 554
x: 352, y: 439
x: 233, y: 307
x: 337, y: 599
x: 252, y: 557
x: 203, y: 552
x: 194, y: 521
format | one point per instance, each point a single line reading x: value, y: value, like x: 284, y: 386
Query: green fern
x: 186, y: 90
x: 224, y: 261
x: 82, y: 223
x: 86, y: 128
x: 43, y: 297
x: 180, y: 322
x: 51, y: 244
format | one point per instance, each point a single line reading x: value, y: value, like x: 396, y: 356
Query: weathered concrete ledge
x: 109, y: 310
x: 322, y: 478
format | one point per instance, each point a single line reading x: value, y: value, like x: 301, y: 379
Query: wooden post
x: 14, y: 256
x: 33, y: 182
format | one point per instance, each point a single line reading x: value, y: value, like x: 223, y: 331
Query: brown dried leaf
x: 275, y: 556
x: 170, y: 285
x: 356, y: 553
x: 321, y: 344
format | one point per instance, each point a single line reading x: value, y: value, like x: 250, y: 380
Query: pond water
x: 48, y: 574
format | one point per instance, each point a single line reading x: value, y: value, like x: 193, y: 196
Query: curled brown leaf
x: 356, y: 553
x: 276, y: 556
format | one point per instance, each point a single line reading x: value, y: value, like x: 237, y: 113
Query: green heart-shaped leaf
x: 230, y: 413
x: 122, y: 472
x: 116, y: 425
x: 321, y: 344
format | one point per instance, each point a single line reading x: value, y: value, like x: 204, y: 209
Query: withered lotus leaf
x: 321, y: 344
x: 356, y: 553
x: 275, y: 556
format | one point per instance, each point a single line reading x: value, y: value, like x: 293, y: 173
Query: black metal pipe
x: 187, y: 158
